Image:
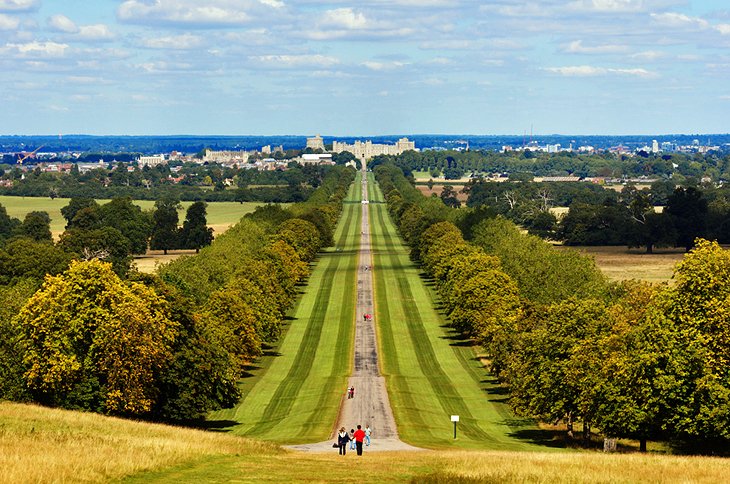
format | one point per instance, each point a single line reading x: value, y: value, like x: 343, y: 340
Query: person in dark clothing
x: 342, y: 439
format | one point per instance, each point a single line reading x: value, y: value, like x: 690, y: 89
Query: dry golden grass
x: 438, y: 188
x: 578, y: 467
x: 38, y: 444
x: 46, y: 445
x: 620, y: 263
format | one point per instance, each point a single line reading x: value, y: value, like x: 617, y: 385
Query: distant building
x: 315, y: 143
x: 226, y: 157
x: 315, y: 159
x: 368, y: 149
x: 154, y: 160
x: 654, y: 146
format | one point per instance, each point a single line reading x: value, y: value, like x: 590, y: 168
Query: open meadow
x: 221, y: 215
x: 620, y: 263
x: 41, y: 445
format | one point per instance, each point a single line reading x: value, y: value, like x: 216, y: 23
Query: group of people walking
x: 355, y: 438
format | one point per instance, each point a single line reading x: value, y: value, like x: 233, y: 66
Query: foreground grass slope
x: 295, y: 395
x: 431, y: 374
x: 45, y: 445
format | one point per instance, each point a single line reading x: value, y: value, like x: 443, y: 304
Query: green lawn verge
x: 295, y: 391
x: 431, y: 373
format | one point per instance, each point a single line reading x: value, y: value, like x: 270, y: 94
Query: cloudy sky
x: 364, y: 68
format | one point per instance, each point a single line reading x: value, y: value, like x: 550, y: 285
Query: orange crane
x: 24, y: 156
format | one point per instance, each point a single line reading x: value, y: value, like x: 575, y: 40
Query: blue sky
x: 364, y: 68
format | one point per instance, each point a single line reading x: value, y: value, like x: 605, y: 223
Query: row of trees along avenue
x: 628, y: 360
x: 170, y: 346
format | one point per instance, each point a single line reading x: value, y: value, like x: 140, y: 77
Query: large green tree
x: 165, y: 233
x: 195, y: 232
x: 92, y: 342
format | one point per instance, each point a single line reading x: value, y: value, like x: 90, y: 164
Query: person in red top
x: 359, y: 437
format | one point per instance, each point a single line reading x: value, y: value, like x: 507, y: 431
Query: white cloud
x: 8, y: 23
x: 195, y: 13
x: 299, y: 60
x: 724, y: 29
x: 609, y: 6
x: 577, y: 47
x: 61, y: 23
x: 593, y: 71
x: 383, y: 66
x: 679, y: 20
x: 648, y: 55
x: 18, y: 5
x: 36, y: 49
x: 344, y: 18
x: 178, y: 42
x: 95, y: 32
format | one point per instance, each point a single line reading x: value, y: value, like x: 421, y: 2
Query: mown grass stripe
x: 286, y: 394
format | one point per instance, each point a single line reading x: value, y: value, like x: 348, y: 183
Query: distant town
x: 316, y: 149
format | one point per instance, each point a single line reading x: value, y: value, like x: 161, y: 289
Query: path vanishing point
x: 371, y: 405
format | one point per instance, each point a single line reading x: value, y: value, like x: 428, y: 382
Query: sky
x: 373, y: 67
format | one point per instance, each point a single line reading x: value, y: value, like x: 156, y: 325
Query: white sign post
x: 454, y: 418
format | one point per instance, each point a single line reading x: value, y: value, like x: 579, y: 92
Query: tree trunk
x: 649, y: 248
x: 165, y: 250
x: 642, y: 445
x: 570, y: 425
x: 609, y: 444
x: 586, y: 434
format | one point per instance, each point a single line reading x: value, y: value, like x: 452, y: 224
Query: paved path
x: 370, y: 406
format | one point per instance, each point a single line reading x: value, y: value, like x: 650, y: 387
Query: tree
x: 8, y: 225
x: 12, y: 299
x: 448, y: 196
x: 93, y: 343
x: 165, y: 233
x: 687, y: 208
x: 106, y: 244
x: 76, y: 205
x: 195, y: 232
x: 36, y: 226
x: 302, y: 235
x: 24, y: 258
x: 129, y: 220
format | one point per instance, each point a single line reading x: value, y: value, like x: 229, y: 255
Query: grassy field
x: 39, y: 445
x: 431, y: 373
x: 620, y: 263
x: 221, y: 215
x: 295, y: 392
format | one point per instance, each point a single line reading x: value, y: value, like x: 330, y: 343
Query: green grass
x: 221, y: 215
x: 431, y: 373
x: 294, y: 394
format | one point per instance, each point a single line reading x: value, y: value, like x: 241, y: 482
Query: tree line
x: 524, y: 164
x: 184, y: 181
x: 627, y: 360
x: 168, y: 346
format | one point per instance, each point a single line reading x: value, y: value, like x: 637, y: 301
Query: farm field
x: 439, y: 187
x: 431, y: 374
x: 620, y: 263
x: 294, y: 397
x: 221, y: 215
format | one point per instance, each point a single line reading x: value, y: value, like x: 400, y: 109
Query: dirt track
x: 370, y: 406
